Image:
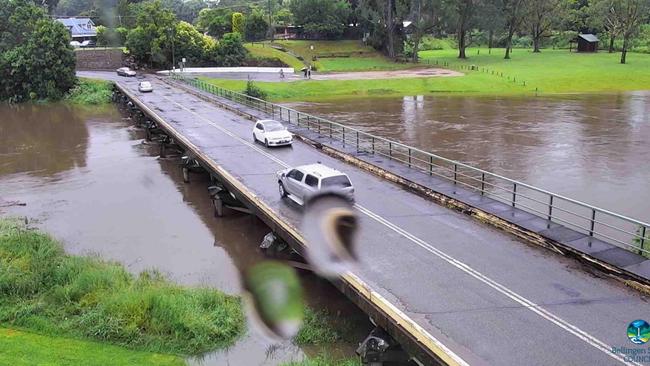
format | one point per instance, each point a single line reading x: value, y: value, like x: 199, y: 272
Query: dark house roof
x: 589, y: 37
x: 79, y: 27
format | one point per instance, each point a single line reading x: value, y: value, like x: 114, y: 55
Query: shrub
x: 254, y: 91
x: 238, y: 23
x: 91, y: 92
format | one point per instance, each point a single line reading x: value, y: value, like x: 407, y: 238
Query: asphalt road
x: 490, y: 298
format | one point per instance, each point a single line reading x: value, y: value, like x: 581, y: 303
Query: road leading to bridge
x: 489, y: 298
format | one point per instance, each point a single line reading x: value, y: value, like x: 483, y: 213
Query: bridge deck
x: 488, y: 297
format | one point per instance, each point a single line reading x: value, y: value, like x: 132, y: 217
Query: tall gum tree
x: 541, y: 17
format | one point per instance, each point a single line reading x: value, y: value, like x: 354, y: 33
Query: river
x: 593, y: 148
x: 87, y: 177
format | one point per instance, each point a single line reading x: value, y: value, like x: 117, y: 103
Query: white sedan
x: 145, y: 87
x: 271, y: 133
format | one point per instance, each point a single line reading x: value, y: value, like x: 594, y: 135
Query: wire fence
x: 625, y: 232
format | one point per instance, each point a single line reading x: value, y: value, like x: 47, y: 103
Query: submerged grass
x: 20, y: 348
x: 91, y: 92
x: 326, y: 360
x: 318, y: 328
x: 44, y: 290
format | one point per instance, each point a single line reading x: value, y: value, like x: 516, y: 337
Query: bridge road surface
x: 488, y: 297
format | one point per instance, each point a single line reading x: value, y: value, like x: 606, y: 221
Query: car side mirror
x: 284, y: 175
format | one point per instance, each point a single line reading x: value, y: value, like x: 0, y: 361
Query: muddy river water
x: 88, y: 177
x: 595, y: 148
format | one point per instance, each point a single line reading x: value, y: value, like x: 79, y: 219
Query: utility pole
x: 171, y: 30
x: 271, y: 31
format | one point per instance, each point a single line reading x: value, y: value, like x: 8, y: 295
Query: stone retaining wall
x: 99, y: 59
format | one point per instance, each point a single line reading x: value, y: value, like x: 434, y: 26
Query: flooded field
x: 87, y: 177
x: 593, y: 148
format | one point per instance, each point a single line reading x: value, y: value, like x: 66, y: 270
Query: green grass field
x: 264, y: 51
x: 318, y: 90
x: 549, y: 72
x: 556, y: 71
x: 345, y: 55
x: 376, y: 63
x: 20, y: 348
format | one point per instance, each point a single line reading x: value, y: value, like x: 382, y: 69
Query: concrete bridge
x: 456, y: 275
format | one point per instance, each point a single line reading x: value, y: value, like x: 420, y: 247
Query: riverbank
x: 90, y: 92
x: 485, y: 73
x: 49, y: 292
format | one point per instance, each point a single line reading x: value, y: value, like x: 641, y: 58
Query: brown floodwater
x: 87, y: 177
x: 594, y: 148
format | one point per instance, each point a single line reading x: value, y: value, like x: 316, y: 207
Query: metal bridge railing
x: 625, y: 232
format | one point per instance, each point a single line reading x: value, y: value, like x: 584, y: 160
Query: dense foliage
x: 111, y: 37
x: 321, y: 18
x: 36, y: 59
x: 158, y: 38
x: 43, y: 289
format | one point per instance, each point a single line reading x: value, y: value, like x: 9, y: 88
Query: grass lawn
x: 361, y: 64
x: 319, y: 90
x: 344, y: 55
x: 263, y: 50
x: 326, y: 48
x: 557, y: 71
x: 19, y: 348
x: 550, y: 72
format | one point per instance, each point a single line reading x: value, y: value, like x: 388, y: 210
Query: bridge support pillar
x: 380, y: 349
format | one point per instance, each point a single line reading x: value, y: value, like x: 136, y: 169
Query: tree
x: 465, y: 20
x: 602, y: 17
x: 150, y: 41
x: 111, y: 36
x: 230, y: 51
x: 540, y: 18
x: 321, y: 18
x: 384, y: 21
x: 256, y: 26
x: 513, y: 12
x: 628, y: 14
x: 238, y: 23
x: 425, y: 15
x: 216, y: 22
x: 36, y: 59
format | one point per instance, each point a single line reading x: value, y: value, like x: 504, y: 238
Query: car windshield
x: 336, y: 181
x: 274, y: 126
x: 145, y: 84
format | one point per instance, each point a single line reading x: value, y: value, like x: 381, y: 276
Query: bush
x: 428, y: 43
x: 43, y: 289
x: 254, y: 91
x: 91, y: 92
x: 238, y: 23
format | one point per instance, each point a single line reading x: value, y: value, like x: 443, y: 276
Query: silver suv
x: 299, y: 182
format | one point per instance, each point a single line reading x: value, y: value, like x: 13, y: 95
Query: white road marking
x: 537, y: 309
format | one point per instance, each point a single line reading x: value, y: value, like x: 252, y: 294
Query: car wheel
x: 266, y: 142
x: 283, y: 193
x: 254, y: 138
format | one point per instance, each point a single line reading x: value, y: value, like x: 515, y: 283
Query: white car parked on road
x: 271, y: 133
x: 300, y: 182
